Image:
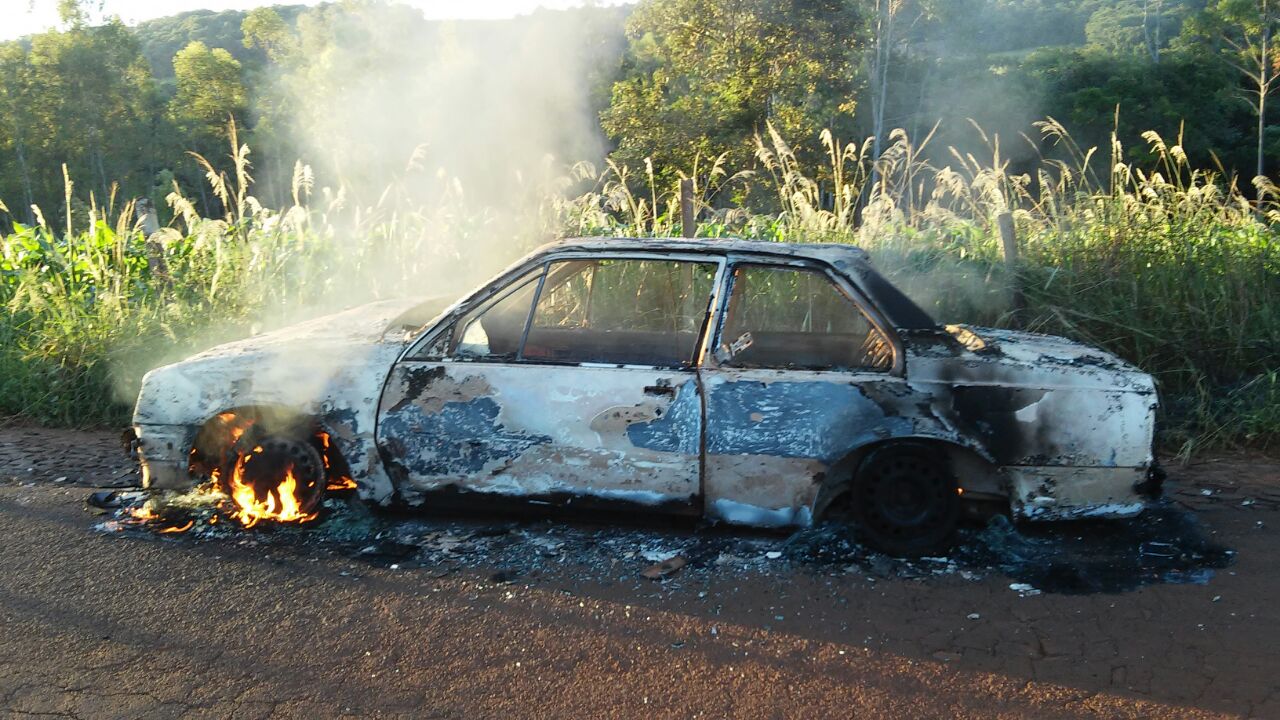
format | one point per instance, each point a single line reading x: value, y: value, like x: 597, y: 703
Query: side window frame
x: 842, y: 284
x: 447, y: 327
x: 457, y: 330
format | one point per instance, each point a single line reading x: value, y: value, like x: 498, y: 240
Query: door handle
x: 660, y: 390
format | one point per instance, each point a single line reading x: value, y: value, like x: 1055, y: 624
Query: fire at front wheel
x: 274, y: 478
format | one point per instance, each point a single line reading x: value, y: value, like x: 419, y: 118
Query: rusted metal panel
x: 1066, y: 493
x: 542, y: 431
x: 772, y: 435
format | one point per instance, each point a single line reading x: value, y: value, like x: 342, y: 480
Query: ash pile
x: 1165, y: 544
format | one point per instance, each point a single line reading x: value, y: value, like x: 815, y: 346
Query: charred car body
x: 754, y: 383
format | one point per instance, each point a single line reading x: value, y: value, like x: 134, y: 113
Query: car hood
x: 339, y: 360
x: 1029, y: 347
x: 339, y: 333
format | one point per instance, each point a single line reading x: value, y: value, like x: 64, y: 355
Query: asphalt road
x: 96, y: 624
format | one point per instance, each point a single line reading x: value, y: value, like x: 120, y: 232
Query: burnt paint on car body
x: 583, y: 428
x: 821, y: 420
x: 674, y: 430
x: 446, y: 445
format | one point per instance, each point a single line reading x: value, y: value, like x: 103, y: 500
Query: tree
x: 210, y: 91
x: 73, y: 13
x: 1182, y: 94
x: 95, y: 95
x: 890, y: 33
x: 1135, y: 27
x: 209, y: 95
x: 1151, y: 30
x: 81, y: 97
x: 162, y: 38
x: 702, y: 77
x: 1242, y: 32
x: 264, y: 29
x: 17, y: 117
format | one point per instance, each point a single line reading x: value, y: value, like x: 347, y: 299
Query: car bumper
x: 1067, y: 493
x: 163, y: 452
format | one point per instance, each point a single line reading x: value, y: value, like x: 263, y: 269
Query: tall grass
x: 1171, y: 267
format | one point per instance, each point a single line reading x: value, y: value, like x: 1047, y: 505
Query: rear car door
x: 798, y: 359
x: 574, y: 384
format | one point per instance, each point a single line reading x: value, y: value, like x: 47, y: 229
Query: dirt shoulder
x: 539, y: 619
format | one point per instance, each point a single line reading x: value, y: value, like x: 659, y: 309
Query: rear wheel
x: 905, y: 502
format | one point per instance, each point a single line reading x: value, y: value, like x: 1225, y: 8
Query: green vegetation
x: 414, y: 179
x: 673, y: 81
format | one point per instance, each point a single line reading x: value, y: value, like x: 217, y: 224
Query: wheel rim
x: 271, y: 456
x: 907, y: 497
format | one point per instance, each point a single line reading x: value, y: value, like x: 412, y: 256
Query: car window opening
x: 798, y: 318
x: 618, y: 312
x: 621, y: 311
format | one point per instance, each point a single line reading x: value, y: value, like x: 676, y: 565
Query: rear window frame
x: 843, y: 285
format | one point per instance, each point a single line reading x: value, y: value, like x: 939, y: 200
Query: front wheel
x: 905, y: 501
x: 274, y: 477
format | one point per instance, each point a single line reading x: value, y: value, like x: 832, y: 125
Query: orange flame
x: 143, y: 513
x: 254, y: 496
x: 341, y: 483
x: 236, y: 427
x: 281, y: 503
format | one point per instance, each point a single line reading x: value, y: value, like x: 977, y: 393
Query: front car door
x: 799, y: 358
x: 574, y: 384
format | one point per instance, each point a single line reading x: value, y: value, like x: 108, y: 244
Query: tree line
x: 670, y: 87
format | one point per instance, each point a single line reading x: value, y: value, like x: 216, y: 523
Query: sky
x: 24, y: 17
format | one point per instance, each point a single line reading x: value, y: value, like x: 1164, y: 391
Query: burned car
x: 755, y: 383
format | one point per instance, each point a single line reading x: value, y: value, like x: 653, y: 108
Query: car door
x: 798, y: 359
x: 573, y: 384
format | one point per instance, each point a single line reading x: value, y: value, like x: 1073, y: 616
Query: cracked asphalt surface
x: 96, y: 625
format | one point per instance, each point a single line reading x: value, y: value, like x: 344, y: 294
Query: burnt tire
x: 904, y: 501
x: 271, y: 452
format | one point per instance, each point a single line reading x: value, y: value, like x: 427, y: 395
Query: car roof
x: 835, y: 254
x: 853, y: 261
